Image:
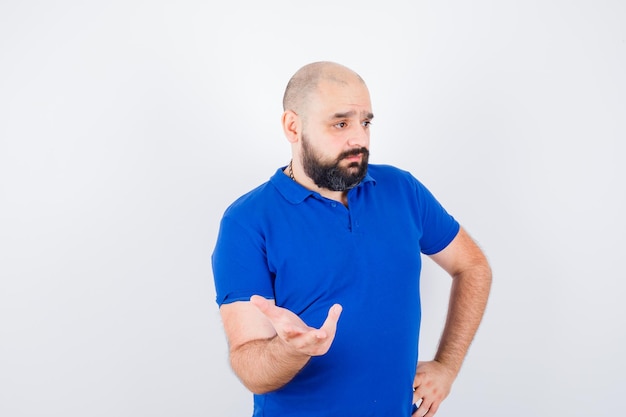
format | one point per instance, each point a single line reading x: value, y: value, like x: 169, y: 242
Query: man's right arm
x: 269, y: 345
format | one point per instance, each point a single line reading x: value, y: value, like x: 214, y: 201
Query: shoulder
x: 386, y: 170
x: 389, y: 174
x: 253, y: 200
x: 261, y: 204
x: 395, y: 182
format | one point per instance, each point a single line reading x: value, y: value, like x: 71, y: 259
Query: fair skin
x: 471, y: 282
x: 338, y: 117
x: 269, y: 345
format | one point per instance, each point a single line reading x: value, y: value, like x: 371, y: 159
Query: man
x: 317, y: 270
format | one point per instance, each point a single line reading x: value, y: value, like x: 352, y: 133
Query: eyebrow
x: 350, y: 114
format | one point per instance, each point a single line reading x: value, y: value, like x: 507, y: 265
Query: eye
x: 341, y: 125
x: 366, y: 123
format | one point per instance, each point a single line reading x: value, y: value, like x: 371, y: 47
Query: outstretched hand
x: 433, y: 382
x: 295, y: 333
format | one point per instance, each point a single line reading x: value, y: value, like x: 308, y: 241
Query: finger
x: 261, y: 303
x: 330, y: 324
x: 432, y: 410
x: 418, y: 395
x: 416, y: 406
x: 287, y: 324
x: 417, y: 400
x: 271, y: 311
x: 328, y: 329
x: 418, y: 379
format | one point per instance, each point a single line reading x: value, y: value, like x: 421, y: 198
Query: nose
x: 359, y: 136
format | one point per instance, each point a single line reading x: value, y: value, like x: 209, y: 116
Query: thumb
x: 330, y: 324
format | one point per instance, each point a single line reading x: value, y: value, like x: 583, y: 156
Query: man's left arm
x: 471, y: 282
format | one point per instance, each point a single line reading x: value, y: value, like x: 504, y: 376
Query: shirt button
x: 333, y: 204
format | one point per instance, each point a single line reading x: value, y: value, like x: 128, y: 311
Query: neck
x: 340, y: 196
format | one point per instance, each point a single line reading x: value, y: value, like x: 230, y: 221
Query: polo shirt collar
x: 295, y: 193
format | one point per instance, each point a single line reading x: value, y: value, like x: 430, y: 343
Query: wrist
x: 450, y: 366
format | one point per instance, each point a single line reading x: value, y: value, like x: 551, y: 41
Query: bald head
x: 307, y: 78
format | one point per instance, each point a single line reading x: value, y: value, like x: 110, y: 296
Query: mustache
x: 354, y: 152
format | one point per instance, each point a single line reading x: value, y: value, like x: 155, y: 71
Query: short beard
x: 330, y: 175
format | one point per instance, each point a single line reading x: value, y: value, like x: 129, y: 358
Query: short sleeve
x: 438, y: 226
x: 240, y: 263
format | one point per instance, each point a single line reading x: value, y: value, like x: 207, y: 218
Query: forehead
x: 332, y: 96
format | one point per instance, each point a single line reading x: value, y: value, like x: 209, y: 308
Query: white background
x: 127, y: 127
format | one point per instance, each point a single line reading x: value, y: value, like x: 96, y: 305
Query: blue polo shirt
x: 307, y: 252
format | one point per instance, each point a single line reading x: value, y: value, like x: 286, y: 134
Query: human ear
x: 291, y: 125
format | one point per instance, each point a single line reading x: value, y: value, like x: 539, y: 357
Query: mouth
x: 354, y: 154
x: 354, y: 158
